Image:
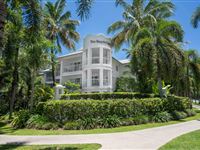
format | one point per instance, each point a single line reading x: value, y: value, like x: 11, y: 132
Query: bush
x: 109, y: 122
x: 62, y: 111
x: 20, y: 119
x: 178, y: 115
x: 162, y: 117
x: 88, y: 123
x: 190, y: 112
x: 105, y: 96
x: 36, y: 122
x: 74, y: 125
x: 140, y: 120
x: 50, y: 126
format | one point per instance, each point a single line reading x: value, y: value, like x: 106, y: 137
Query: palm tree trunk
x: 53, y: 67
x: 32, y: 91
x: 14, y: 87
x: 2, y: 20
x: 159, y: 79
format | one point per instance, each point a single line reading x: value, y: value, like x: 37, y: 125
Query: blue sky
x: 104, y: 13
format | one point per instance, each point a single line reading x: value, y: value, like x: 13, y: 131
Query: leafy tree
x: 61, y: 29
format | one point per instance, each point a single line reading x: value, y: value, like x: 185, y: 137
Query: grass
x: 189, y: 141
x: 7, y: 129
x: 21, y: 146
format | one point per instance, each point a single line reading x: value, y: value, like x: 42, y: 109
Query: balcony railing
x: 72, y: 68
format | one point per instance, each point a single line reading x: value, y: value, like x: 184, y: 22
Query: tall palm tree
x: 158, y: 48
x: 136, y: 15
x: 196, y: 17
x: 61, y: 29
x: 2, y: 22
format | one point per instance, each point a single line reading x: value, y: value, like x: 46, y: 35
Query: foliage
x: 104, y: 96
x: 62, y: 111
x: 177, y: 115
x: 190, y: 112
x: 73, y: 125
x: 71, y: 87
x: 162, y: 117
x: 125, y: 84
x: 141, y: 119
x: 109, y: 122
x: 196, y: 17
x: 20, y: 119
x: 43, y: 93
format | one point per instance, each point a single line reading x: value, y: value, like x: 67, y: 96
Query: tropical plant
x: 195, y: 18
x: 60, y: 29
x: 137, y: 15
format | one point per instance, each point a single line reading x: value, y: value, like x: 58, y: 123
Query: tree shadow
x: 11, y: 145
x: 4, y: 128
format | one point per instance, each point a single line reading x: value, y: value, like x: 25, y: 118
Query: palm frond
x: 196, y: 17
x: 84, y: 7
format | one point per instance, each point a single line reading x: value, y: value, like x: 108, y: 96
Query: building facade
x: 93, y: 67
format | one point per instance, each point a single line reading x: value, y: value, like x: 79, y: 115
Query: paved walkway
x: 144, y: 139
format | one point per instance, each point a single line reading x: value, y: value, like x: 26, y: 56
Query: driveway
x: 151, y: 138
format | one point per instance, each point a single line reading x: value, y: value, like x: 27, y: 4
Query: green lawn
x: 189, y: 141
x: 51, y: 147
x: 6, y: 129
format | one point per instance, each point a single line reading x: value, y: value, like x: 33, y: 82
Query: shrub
x: 177, y: 115
x: 36, y: 122
x: 140, y: 119
x: 71, y: 87
x: 88, y: 123
x: 62, y: 111
x: 127, y: 122
x: 20, y: 119
x: 104, y: 96
x: 109, y: 122
x: 73, y: 125
x: 50, y: 126
x: 190, y: 112
x: 162, y: 117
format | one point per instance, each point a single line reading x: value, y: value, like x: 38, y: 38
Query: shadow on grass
x: 21, y: 145
x: 4, y: 128
x: 12, y: 145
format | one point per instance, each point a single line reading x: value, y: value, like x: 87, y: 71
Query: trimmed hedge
x: 105, y: 96
x: 62, y: 111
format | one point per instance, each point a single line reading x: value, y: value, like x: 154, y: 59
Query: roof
x: 71, y: 54
x: 125, y: 61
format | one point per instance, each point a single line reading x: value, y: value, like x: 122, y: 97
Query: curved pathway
x: 151, y: 138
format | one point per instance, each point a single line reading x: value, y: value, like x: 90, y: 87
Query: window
x: 72, y: 66
x: 95, y: 77
x: 106, y: 77
x: 85, y: 81
x: 116, y: 68
x: 106, y: 56
x: 58, y: 70
x: 95, y: 56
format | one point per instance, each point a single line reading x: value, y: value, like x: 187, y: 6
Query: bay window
x: 95, y: 77
x: 95, y: 56
x: 106, y: 56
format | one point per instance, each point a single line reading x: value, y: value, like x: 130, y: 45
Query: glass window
x: 95, y: 56
x: 106, y: 77
x: 72, y: 66
x: 106, y: 56
x: 95, y: 77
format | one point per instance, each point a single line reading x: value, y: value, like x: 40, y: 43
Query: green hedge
x: 63, y: 110
x: 105, y: 96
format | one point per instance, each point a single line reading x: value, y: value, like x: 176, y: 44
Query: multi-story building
x: 93, y: 67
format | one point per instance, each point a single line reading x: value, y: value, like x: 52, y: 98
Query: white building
x: 93, y: 67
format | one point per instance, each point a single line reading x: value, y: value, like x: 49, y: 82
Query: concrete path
x: 151, y: 138
x: 196, y: 106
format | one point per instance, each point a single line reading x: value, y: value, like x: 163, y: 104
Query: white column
x: 89, y: 78
x: 61, y: 69
x: 101, y: 78
x: 101, y: 55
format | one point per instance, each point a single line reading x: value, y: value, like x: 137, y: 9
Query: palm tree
x: 2, y: 22
x: 136, y: 16
x: 196, y: 17
x: 159, y: 48
x: 192, y: 73
x: 61, y: 29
